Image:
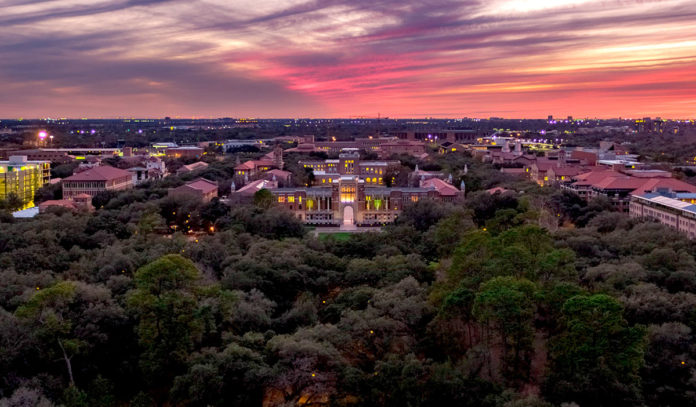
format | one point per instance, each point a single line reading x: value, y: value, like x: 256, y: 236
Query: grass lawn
x: 340, y: 236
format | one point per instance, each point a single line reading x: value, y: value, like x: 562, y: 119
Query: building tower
x: 278, y: 156
x: 561, y: 158
x: 506, y: 147
x: 518, y: 148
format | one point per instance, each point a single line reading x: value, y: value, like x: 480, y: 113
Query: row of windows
x: 288, y: 199
x: 84, y: 184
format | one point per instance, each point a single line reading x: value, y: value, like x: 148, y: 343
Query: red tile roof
x: 254, y: 186
x: 279, y: 173
x: 252, y: 164
x: 203, y: 185
x: 192, y: 167
x: 442, y: 187
x: 566, y: 171
x: 497, y: 190
x: 58, y: 202
x: 674, y: 185
x: 607, y: 180
x: 101, y: 173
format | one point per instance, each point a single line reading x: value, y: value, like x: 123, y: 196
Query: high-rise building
x: 23, y: 178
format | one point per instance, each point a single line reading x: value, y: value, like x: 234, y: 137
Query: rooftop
x: 203, y: 185
x: 669, y: 202
x: 101, y: 173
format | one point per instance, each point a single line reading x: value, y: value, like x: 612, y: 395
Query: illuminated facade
x: 349, y: 200
x: 23, y: 178
x: 349, y: 163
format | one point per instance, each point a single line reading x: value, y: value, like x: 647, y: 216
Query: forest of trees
x: 532, y: 297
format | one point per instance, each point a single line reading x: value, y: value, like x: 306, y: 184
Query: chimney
x: 506, y: 147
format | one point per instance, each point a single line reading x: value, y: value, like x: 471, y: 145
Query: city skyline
x: 337, y: 58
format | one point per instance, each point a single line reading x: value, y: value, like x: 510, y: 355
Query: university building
x: 95, y: 180
x: 345, y: 191
x: 671, y: 211
x: 349, y: 163
x: 350, y: 200
x: 23, y: 178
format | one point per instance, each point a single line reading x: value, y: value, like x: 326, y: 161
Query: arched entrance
x: 348, y: 215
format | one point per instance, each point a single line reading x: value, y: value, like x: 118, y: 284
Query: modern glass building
x: 23, y: 178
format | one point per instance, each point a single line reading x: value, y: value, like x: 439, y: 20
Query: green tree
x: 596, y: 359
x: 508, y: 304
x: 102, y: 198
x: 263, y: 198
x: 165, y: 303
x: 69, y: 319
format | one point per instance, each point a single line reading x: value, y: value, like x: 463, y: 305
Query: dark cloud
x: 53, y: 10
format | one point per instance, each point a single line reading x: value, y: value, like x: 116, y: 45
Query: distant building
x: 57, y: 157
x: 95, y: 180
x: 414, y: 148
x: 668, y: 210
x: 255, y: 169
x: 284, y: 178
x: 156, y: 167
x: 619, y: 187
x: 245, y: 195
x: 184, y: 152
x: 79, y: 203
x: 23, y: 178
x: 192, y: 167
x: 201, y: 188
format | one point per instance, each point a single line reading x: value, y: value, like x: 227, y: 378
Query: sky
x: 347, y: 58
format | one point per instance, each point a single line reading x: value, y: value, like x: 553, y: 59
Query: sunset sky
x: 341, y: 58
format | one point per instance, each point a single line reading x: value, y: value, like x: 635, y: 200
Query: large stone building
x: 95, y: 180
x: 349, y: 163
x: 345, y: 191
x: 22, y: 178
x: 349, y: 200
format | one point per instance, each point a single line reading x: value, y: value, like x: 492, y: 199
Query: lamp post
x: 42, y: 136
